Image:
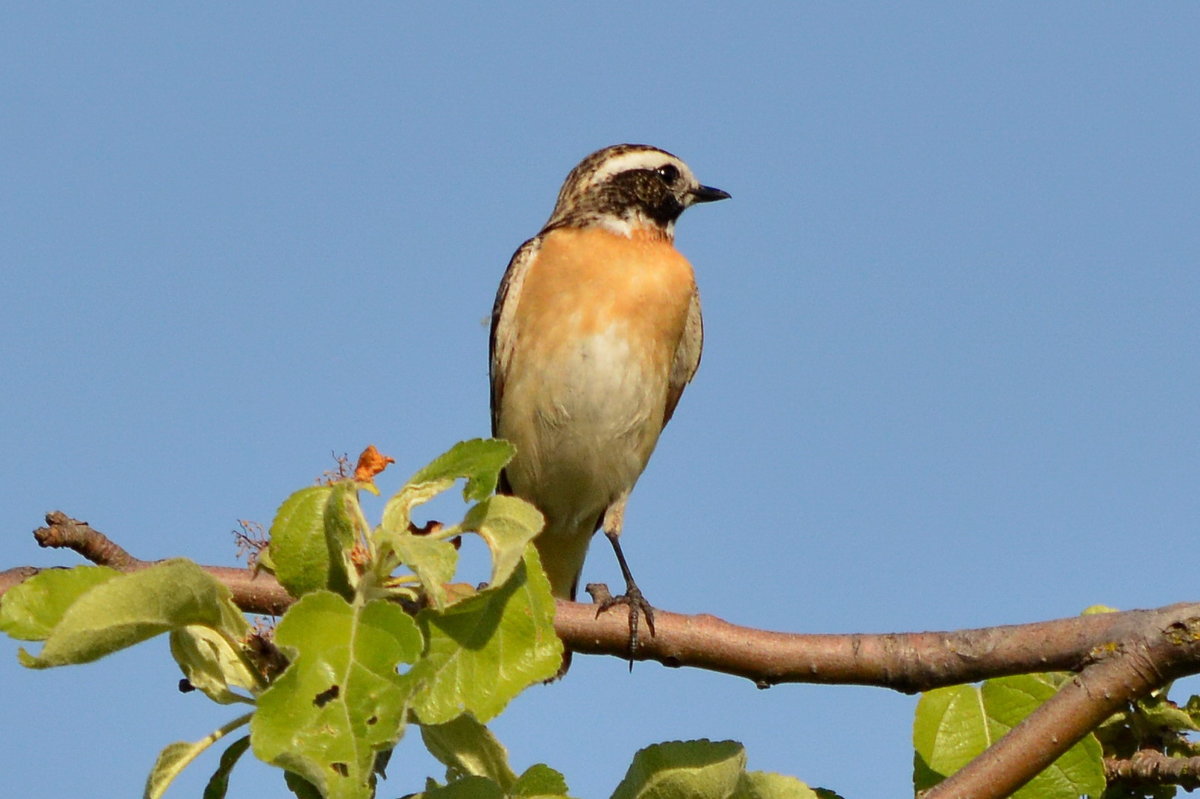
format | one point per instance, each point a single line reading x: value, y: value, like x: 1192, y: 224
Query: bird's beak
x: 707, y: 194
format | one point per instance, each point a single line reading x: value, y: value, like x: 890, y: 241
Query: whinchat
x: 596, y: 330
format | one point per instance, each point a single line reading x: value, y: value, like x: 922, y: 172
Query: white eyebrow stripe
x: 638, y: 159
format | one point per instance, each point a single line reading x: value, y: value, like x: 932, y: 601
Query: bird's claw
x: 637, y: 604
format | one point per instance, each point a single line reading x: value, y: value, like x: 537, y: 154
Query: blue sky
x: 952, y: 345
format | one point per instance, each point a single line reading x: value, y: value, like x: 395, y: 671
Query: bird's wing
x: 687, y: 356
x: 503, y: 336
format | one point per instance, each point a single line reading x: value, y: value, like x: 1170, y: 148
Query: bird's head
x: 628, y: 189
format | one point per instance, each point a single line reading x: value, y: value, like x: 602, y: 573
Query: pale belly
x: 584, y: 420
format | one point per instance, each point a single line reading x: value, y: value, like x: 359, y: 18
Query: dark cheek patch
x: 644, y: 189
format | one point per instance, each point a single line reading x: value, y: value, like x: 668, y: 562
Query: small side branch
x: 1151, y: 767
x: 63, y: 532
x: 253, y: 592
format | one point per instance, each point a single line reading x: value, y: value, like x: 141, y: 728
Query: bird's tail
x: 563, y: 550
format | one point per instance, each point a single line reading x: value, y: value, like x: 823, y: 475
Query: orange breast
x: 582, y: 282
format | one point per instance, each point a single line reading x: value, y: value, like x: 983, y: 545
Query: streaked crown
x: 629, y: 187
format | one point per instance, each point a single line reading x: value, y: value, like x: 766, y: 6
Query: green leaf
x: 302, y: 788
x: 340, y: 701
x: 433, y: 560
x: 466, y: 747
x: 30, y: 610
x: 212, y: 665
x: 218, y: 783
x: 949, y: 729
x: 479, y: 461
x: 466, y: 788
x: 130, y: 608
x: 955, y: 724
x: 539, y: 780
x: 765, y: 785
x: 1159, y: 714
x: 172, y: 760
x: 263, y: 560
x: 175, y: 758
x: 486, y: 649
x: 507, y: 524
x: 1192, y: 708
x: 312, y: 532
x: 695, y: 769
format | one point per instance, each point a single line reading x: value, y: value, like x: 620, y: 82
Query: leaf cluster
x: 377, y: 640
x: 347, y: 668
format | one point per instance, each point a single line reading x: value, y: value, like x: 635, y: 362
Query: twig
x: 1151, y: 767
x: 61, y: 531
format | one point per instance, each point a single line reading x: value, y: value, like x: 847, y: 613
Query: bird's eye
x: 669, y: 173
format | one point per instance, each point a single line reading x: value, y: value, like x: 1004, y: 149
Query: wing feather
x: 503, y: 336
x: 687, y: 356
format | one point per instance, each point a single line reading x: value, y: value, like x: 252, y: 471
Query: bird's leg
x: 632, y: 597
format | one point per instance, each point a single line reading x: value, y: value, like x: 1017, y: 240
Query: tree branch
x: 1117, y: 657
x: 1121, y: 674
x: 906, y: 662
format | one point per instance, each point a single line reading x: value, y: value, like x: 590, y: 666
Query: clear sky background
x: 952, y: 358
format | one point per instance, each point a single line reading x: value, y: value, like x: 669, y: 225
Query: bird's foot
x: 638, y: 606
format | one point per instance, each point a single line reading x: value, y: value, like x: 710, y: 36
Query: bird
x: 596, y: 330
